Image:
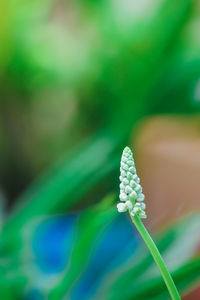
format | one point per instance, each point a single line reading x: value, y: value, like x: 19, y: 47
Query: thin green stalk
x: 157, y: 257
x: 132, y: 199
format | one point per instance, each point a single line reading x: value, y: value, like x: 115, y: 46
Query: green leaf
x: 185, y: 277
x: 61, y: 188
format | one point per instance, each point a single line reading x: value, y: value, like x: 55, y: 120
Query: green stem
x: 157, y: 257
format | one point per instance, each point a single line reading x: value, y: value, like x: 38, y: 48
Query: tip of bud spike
x: 130, y: 188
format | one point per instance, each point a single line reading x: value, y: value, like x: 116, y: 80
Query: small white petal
x: 123, y: 197
x: 122, y: 187
x: 133, y: 195
x: 136, y: 209
x: 129, y: 175
x: 129, y: 204
x: 124, y: 159
x: 137, y: 179
x: 121, y: 207
x: 132, y: 213
x: 141, y: 205
x: 125, y: 181
x: 132, y: 169
x: 130, y: 163
x: 132, y: 183
x: 138, y: 188
x: 142, y: 215
x: 125, y: 167
x: 128, y: 190
x: 140, y: 197
x: 123, y: 174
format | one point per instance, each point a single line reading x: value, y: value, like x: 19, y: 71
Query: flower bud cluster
x: 130, y: 189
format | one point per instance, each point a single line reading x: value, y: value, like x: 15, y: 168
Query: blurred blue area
x: 53, y: 243
x: 118, y: 237
x: 35, y: 294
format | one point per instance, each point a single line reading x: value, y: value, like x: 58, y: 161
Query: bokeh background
x: 80, y: 80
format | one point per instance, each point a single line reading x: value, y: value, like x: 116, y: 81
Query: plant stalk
x: 157, y: 257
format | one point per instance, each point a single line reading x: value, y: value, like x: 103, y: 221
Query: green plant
x: 130, y: 192
x: 128, y: 70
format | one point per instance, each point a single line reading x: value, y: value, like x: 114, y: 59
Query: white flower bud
x: 129, y: 175
x: 128, y: 190
x: 122, y: 187
x: 134, y: 211
x: 132, y: 183
x: 133, y: 195
x: 138, y: 188
x: 121, y: 207
x: 141, y: 205
x: 125, y: 181
x: 140, y: 197
x: 132, y: 170
x: 123, y: 197
x: 137, y: 179
x: 125, y: 167
x: 124, y: 159
x: 142, y: 215
x: 129, y: 204
x: 123, y: 174
x: 130, y: 163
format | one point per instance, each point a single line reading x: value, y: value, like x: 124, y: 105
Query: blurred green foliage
x: 76, y: 77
